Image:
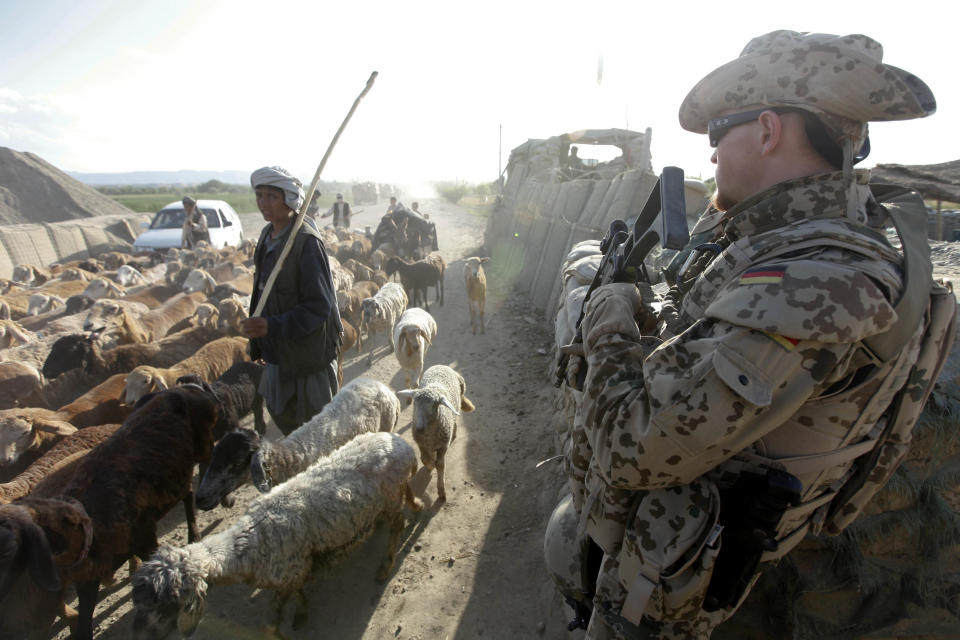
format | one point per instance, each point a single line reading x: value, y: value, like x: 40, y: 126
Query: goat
x: 433, y: 428
x: 130, y: 480
x: 418, y: 276
x: 276, y: 542
x: 209, y: 362
x: 363, y: 405
x: 412, y: 335
x: 475, y: 281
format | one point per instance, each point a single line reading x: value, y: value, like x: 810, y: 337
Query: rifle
x: 624, y: 252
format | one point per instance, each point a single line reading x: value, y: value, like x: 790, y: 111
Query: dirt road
x: 472, y: 568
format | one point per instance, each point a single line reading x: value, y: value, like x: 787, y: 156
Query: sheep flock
x: 124, y: 391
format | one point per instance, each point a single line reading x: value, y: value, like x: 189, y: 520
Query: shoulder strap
x: 909, y: 216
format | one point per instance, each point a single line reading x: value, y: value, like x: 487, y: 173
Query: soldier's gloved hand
x: 613, y: 308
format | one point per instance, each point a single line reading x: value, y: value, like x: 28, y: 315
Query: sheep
x: 363, y: 405
x: 209, y: 362
x: 17, y: 382
x: 348, y: 338
x: 135, y: 322
x: 412, y: 335
x: 433, y: 428
x: 40, y: 540
x: 12, y: 334
x: 380, y: 312
x: 68, y: 451
x: 320, y: 515
x: 418, y: 276
x: 231, y: 312
x: 237, y: 392
x: 199, y: 280
x: 23, y: 439
x: 152, y: 295
x: 102, y: 404
x: 128, y: 276
x: 342, y: 278
x: 348, y: 302
x: 130, y: 480
x: 360, y: 271
x: 103, y: 288
x: 113, y: 260
x: 475, y: 282
x: 43, y: 303
x: 84, y: 351
x: 30, y: 275
x: 4, y: 310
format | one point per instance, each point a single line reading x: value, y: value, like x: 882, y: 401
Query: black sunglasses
x: 718, y: 127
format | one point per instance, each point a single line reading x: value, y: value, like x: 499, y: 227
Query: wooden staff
x: 309, y: 194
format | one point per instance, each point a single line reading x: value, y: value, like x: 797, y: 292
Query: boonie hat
x: 826, y: 74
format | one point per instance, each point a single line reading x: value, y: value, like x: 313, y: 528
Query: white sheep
x: 475, y: 282
x: 381, y: 312
x: 412, y: 335
x: 102, y: 288
x: 363, y: 405
x: 43, y: 303
x: 436, y: 405
x: 319, y: 514
x: 128, y: 276
x: 199, y: 280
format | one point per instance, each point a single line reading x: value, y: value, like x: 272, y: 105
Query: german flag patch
x: 768, y: 274
x: 787, y: 343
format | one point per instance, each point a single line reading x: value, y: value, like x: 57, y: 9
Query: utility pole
x: 500, y: 161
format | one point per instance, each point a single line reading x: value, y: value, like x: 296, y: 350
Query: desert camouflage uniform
x: 775, y: 329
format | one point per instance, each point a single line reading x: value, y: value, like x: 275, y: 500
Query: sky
x: 117, y: 86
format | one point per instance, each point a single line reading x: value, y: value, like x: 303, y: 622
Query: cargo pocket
x: 669, y: 549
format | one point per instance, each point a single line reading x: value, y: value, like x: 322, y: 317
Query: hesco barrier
x: 44, y: 244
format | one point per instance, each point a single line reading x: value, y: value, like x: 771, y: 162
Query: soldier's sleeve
x: 769, y: 342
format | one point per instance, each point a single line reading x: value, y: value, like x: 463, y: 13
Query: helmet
x: 564, y: 551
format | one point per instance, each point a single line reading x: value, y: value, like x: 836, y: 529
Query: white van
x: 164, y: 232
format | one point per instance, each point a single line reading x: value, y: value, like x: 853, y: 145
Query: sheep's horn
x: 447, y: 404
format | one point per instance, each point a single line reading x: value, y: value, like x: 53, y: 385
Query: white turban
x: 282, y: 179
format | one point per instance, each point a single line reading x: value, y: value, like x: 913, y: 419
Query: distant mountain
x: 160, y: 177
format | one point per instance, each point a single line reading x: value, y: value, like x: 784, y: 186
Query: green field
x: 241, y: 202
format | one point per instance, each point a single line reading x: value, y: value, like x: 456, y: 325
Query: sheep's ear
x: 159, y: 383
x: 258, y: 474
x: 54, y: 426
x: 407, y: 394
x: 40, y: 558
x: 425, y: 336
x: 466, y: 404
x: 482, y: 260
x: 448, y: 405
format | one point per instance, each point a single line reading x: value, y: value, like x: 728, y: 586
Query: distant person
x: 298, y: 335
x: 314, y: 207
x: 574, y: 165
x: 340, y: 211
x: 392, y: 206
x: 416, y: 209
x: 194, y: 225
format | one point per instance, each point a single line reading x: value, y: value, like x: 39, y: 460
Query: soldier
x: 716, y: 445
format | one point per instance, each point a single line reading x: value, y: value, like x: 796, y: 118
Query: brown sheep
x: 23, y: 439
x: 209, y: 363
x: 58, y: 459
x: 349, y: 302
x: 17, y: 382
x: 101, y: 405
x: 130, y: 480
x: 231, y: 312
x: 360, y: 271
x: 475, y: 282
x: 30, y: 275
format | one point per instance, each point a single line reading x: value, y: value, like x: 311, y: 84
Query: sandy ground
x: 472, y: 568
